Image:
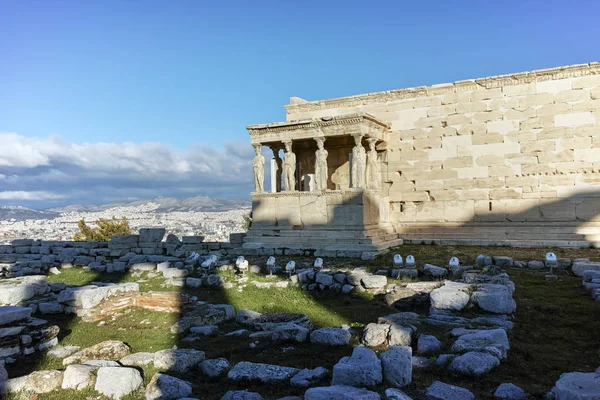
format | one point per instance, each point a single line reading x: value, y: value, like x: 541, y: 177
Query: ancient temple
x: 503, y: 160
x: 326, y: 181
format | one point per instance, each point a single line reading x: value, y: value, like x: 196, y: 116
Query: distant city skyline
x: 115, y: 101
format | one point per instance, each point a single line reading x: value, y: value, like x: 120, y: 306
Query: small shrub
x: 105, y: 229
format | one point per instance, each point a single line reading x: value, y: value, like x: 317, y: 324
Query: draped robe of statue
x: 321, y: 169
x: 359, y: 159
x: 278, y: 170
x: 259, y: 171
x: 373, y: 169
x: 289, y: 169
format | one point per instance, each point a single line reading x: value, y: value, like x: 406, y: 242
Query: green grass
x: 556, y: 325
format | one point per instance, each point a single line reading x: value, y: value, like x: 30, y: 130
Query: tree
x: 105, y: 229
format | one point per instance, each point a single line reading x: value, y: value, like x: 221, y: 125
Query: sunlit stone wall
x: 511, y: 159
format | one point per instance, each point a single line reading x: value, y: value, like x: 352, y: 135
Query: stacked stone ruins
x: 512, y: 159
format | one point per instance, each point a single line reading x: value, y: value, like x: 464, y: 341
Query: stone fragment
x: 79, y: 377
x: 435, y: 271
x: 374, y: 281
x: 536, y: 265
x: 193, y: 282
x: 579, y: 267
x: 51, y: 307
x: 493, y: 341
x: 241, y: 395
x: 43, y: 381
x: 171, y: 273
x: 428, y: 344
x: 290, y: 332
x: 215, y: 367
x: 166, y: 387
x: 309, y: 377
x: 474, y: 363
x: 101, y: 363
x: 117, y: 382
x: 397, y: 365
x: 178, y: 360
x: 494, y: 298
x: 340, y: 392
x: 247, y: 317
x: 400, y: 335
x: 265, y: 373
x: 503, y: 261
x: 396, y: 394
x: 577, y: 386
x: 324, y: 279
x: 269, y: 321
x: 137, y: 359
x: 508, y: 391
x: 151, y: 235
x: 331, y: 336
x: 12, y: 314
x: 451, y: 296
x: 108, y: 350
x: 15, y: 385
x: 375, y: 334
x: 361, y: 369
x: 443, y: 391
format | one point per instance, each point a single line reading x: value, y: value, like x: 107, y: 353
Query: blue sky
x: 191, y: 75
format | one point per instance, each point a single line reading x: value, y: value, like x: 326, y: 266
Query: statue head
x: 372, y: 142
x: 257, y: 149
x: 358, y: 140
x: 288, y: 147
x: 320, y: 143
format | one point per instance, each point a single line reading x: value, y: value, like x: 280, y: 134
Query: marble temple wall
x: 512, y: 159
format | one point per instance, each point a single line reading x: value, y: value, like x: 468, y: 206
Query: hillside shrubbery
x: 105, y: 229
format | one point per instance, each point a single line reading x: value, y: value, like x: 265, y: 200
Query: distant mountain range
x: 21, y: 213
x: 159, y: 205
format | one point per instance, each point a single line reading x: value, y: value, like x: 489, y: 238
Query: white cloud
x: 33, y: 168
x: 22, y: 195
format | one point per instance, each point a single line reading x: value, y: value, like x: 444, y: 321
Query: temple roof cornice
x: 349, y: 124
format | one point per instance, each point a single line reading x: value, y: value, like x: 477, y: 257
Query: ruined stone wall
x: 32, y: 257
x: 509, y: 159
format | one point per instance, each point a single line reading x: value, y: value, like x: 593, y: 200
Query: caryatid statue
x: 278, y: 167
x: 289, y: 168
x: 373, y: 168
x: 259, y: 169
x: 321, y: 173
x: 359, y: 160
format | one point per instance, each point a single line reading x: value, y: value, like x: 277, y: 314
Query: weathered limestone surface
x: 504, y: 158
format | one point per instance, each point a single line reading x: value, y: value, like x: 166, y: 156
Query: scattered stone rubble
x: 591, y: 281
x: 21, y: 334
x: 480, y: 340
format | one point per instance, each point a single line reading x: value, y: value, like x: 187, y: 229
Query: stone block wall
x: 31, y: 257
x: 508, y: 159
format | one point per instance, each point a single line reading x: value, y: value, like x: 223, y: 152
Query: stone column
x: 259, y: 169
x: 359, y: 161
x: 289, y: 168
x: 321, y: 172
x: 276, y: 169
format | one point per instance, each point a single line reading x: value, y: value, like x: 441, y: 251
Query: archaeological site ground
x: 436, y: 242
